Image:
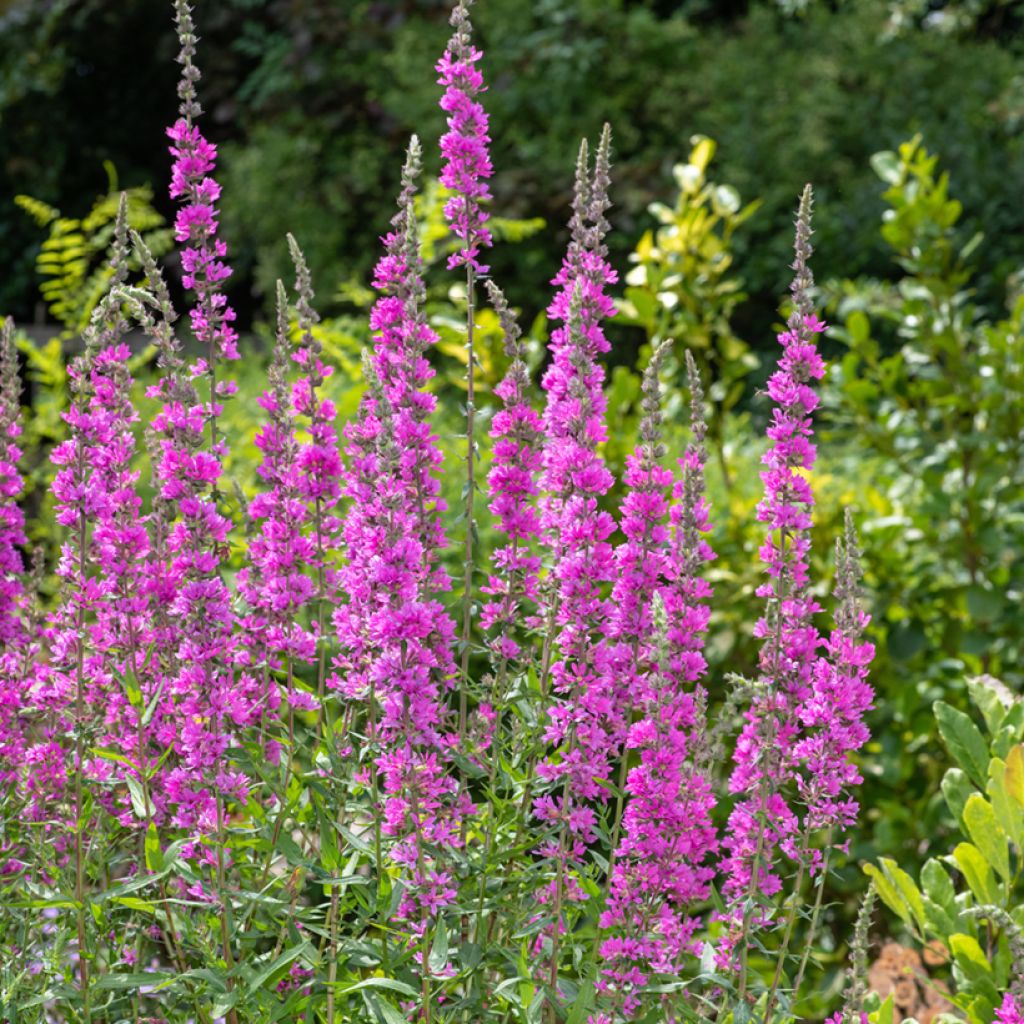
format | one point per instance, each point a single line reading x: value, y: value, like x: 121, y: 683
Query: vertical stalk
x: 467, y: 595
x: 83, y: 965
x: 764, y: 787
x: 225, y: 907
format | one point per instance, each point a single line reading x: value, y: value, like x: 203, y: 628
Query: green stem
x: 467, y: 583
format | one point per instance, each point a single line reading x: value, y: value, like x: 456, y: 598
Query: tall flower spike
x: 15, y: 628
x: 12, y: 519
x: 275, y: 583
x: 584, y: 726
x: 196, y: 224
x: 841, y: 697
x: 467, y: 162
x: 122, y: 639
x: 395, y: 637
x: 214, y: 693
x: 319, y: 461
x: 513, y: 482
x: 659, y: 868
x: 767, y: 754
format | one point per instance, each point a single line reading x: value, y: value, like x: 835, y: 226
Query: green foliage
x: 72, y: 263
x: 929, y: 395
x: 682, y: 285
x: 971, y: 900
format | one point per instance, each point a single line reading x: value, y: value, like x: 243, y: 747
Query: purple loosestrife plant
x: 253, y: 766
x: 661, y: 870
x: 806, y: 715
x: 213, y: 697
x: 583, y: 722
x: 464, y: 147
x: 12, y: 519
x: 517, y: 439
x: 396, y: 639
x: 15, y: 636
x: 467, y: 166
x: 287, y: 576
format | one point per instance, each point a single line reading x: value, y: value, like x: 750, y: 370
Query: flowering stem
x: 467, y: 596
x: 788, y: 933
x: 815, y: 913
x: 83, y: 965
x: 764, y: 786
x: 225, y: 916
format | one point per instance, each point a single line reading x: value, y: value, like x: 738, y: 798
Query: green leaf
x: 937, y: 885
x: 272, y: 972
x: 134, y: 981
x: 939, y: 919
x: 139, y: 805
x: 970, y: 955
x: 1014, y: 778
x: 1009, y: 813
x: 382, y: 1010
x: 438, y: 958
x: 885, y: 1013
x: 154, y: 855
x: 583, y: 1003
x: 888, y: 893
x: 964, y: 741
x: 985, y: 698
x: 956, y: 788
x: 907, y: 888
x: 979, y: 875
x: 386, y: 983
x: 986, y: 834
x: 886, y: 165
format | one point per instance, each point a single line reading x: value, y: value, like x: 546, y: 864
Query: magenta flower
x: 833, y: 717
x: 395, y: 637
x: 1010, y: 1011
x: 467, y: 162
x: 766, y: 756
x: 660, y: 865
x: 584, y: 723
x: 287, y: 575
x: 513, y: 483
x: 12, y: 520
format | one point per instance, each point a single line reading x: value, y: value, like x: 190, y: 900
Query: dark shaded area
x: 312, y: 102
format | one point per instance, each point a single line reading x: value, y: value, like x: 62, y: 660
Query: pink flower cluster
x: 661, y: 870
x: 806, y: 715
x: 396, y: 639
x: 14, y: 640
x: 516, y: 433
x: 288, y: 578
x: 467, y: 162
x: 1010, y: 1011
x: 584, y: 723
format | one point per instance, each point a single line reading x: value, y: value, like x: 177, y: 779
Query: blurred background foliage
x: 905, y: 114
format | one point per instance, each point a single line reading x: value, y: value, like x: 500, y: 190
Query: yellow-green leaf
x: 987, y: 834
x: 888, y: 893
x: 975, y: 869
x: 907, y: 888
x: 1014, y: 777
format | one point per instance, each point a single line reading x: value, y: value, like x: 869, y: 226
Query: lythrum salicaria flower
x: 396, y: 639
x: 660, y: 867
x: 467, y: 162
x: 584, y: 724
x: 767, y: 755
